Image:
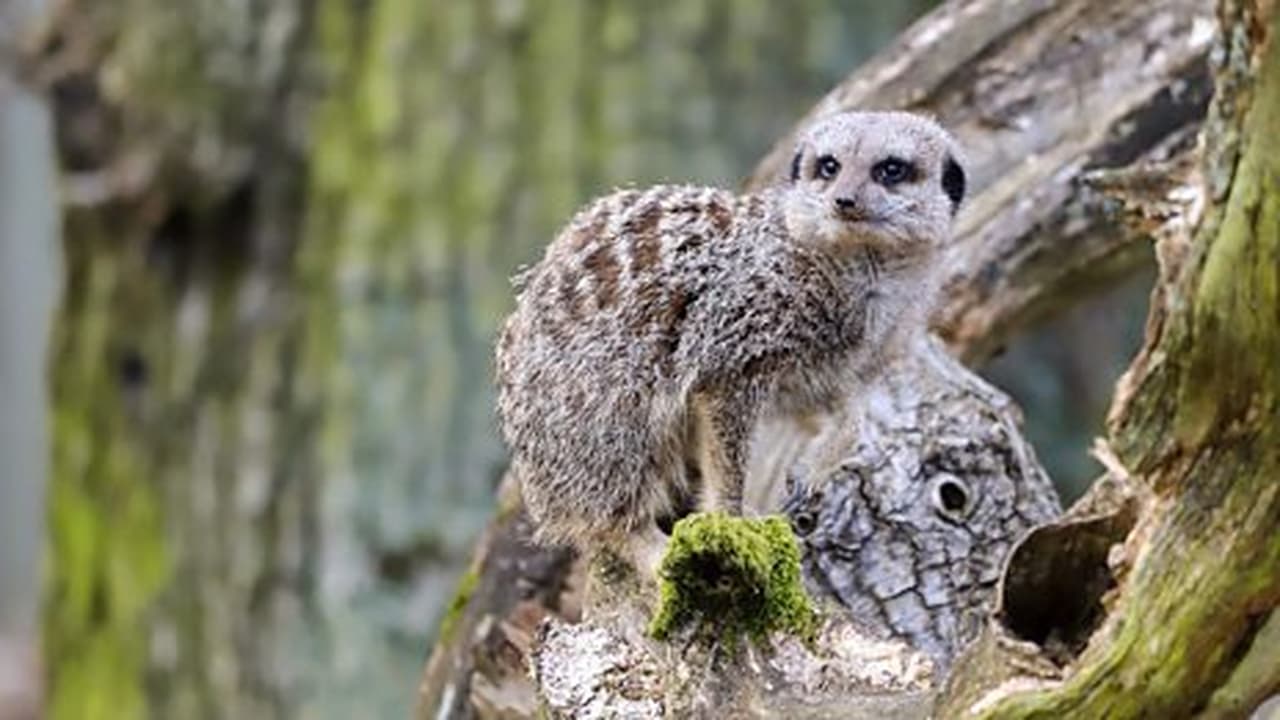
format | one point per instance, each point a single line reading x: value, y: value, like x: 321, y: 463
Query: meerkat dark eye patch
x: 953, y: 182
x: 795, y: 166
x: 893, y: 171
x: 826, y: 168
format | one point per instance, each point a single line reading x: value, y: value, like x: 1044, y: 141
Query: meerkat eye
x: 953, y: 182
x: 892, y: 171
x: 827, y: 168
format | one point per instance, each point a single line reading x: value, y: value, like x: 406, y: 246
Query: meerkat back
x: 588, y: 386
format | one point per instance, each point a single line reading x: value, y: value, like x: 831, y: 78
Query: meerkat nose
x: 848, y: 208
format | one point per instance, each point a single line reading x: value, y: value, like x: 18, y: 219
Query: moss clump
x: 730, y: 576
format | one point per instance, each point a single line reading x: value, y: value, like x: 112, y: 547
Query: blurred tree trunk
x: 288, y: 228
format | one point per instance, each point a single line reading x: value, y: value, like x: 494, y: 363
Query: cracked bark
x: 929, y: 486
x: 1080, y: 119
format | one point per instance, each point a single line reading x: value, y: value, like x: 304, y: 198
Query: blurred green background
x: 286, y: 232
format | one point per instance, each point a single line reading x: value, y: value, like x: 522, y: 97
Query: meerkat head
x: 889, y: 179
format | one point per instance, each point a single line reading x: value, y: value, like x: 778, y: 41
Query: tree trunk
x: 1187, y: 610
x: 1080, y: 117
x: 289, y: 228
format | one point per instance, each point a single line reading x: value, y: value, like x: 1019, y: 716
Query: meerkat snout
x: 848, y: 208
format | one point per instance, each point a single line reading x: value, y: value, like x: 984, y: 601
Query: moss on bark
x: 458, y: 604
x: 731, y: 576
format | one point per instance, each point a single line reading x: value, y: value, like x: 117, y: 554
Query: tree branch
x: 1040, y: 94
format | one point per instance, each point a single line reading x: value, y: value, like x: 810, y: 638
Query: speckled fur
x: 662, y: 324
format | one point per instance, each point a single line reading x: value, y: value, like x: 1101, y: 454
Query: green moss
x: 108, y: 559
x: 731, y: 576
x: 458, y: 604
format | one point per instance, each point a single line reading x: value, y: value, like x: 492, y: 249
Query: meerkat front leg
x: 645, y: 549
x: 723, y: 431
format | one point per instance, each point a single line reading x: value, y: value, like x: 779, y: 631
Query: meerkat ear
x: 795, y: 164
x: 953, y: 182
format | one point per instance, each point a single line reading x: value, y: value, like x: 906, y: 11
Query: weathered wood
x: 1182, y: 616
x: 608, y: 667
x: 908, y: 504
x: 1044, y: 95
x: 479, y: 665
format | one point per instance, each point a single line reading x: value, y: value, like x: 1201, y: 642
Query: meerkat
x: 662, y: 324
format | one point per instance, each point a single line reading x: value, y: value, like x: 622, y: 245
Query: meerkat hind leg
x: 722, y: 439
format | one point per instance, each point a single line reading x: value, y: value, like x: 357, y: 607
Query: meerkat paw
x: 646, y: 551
